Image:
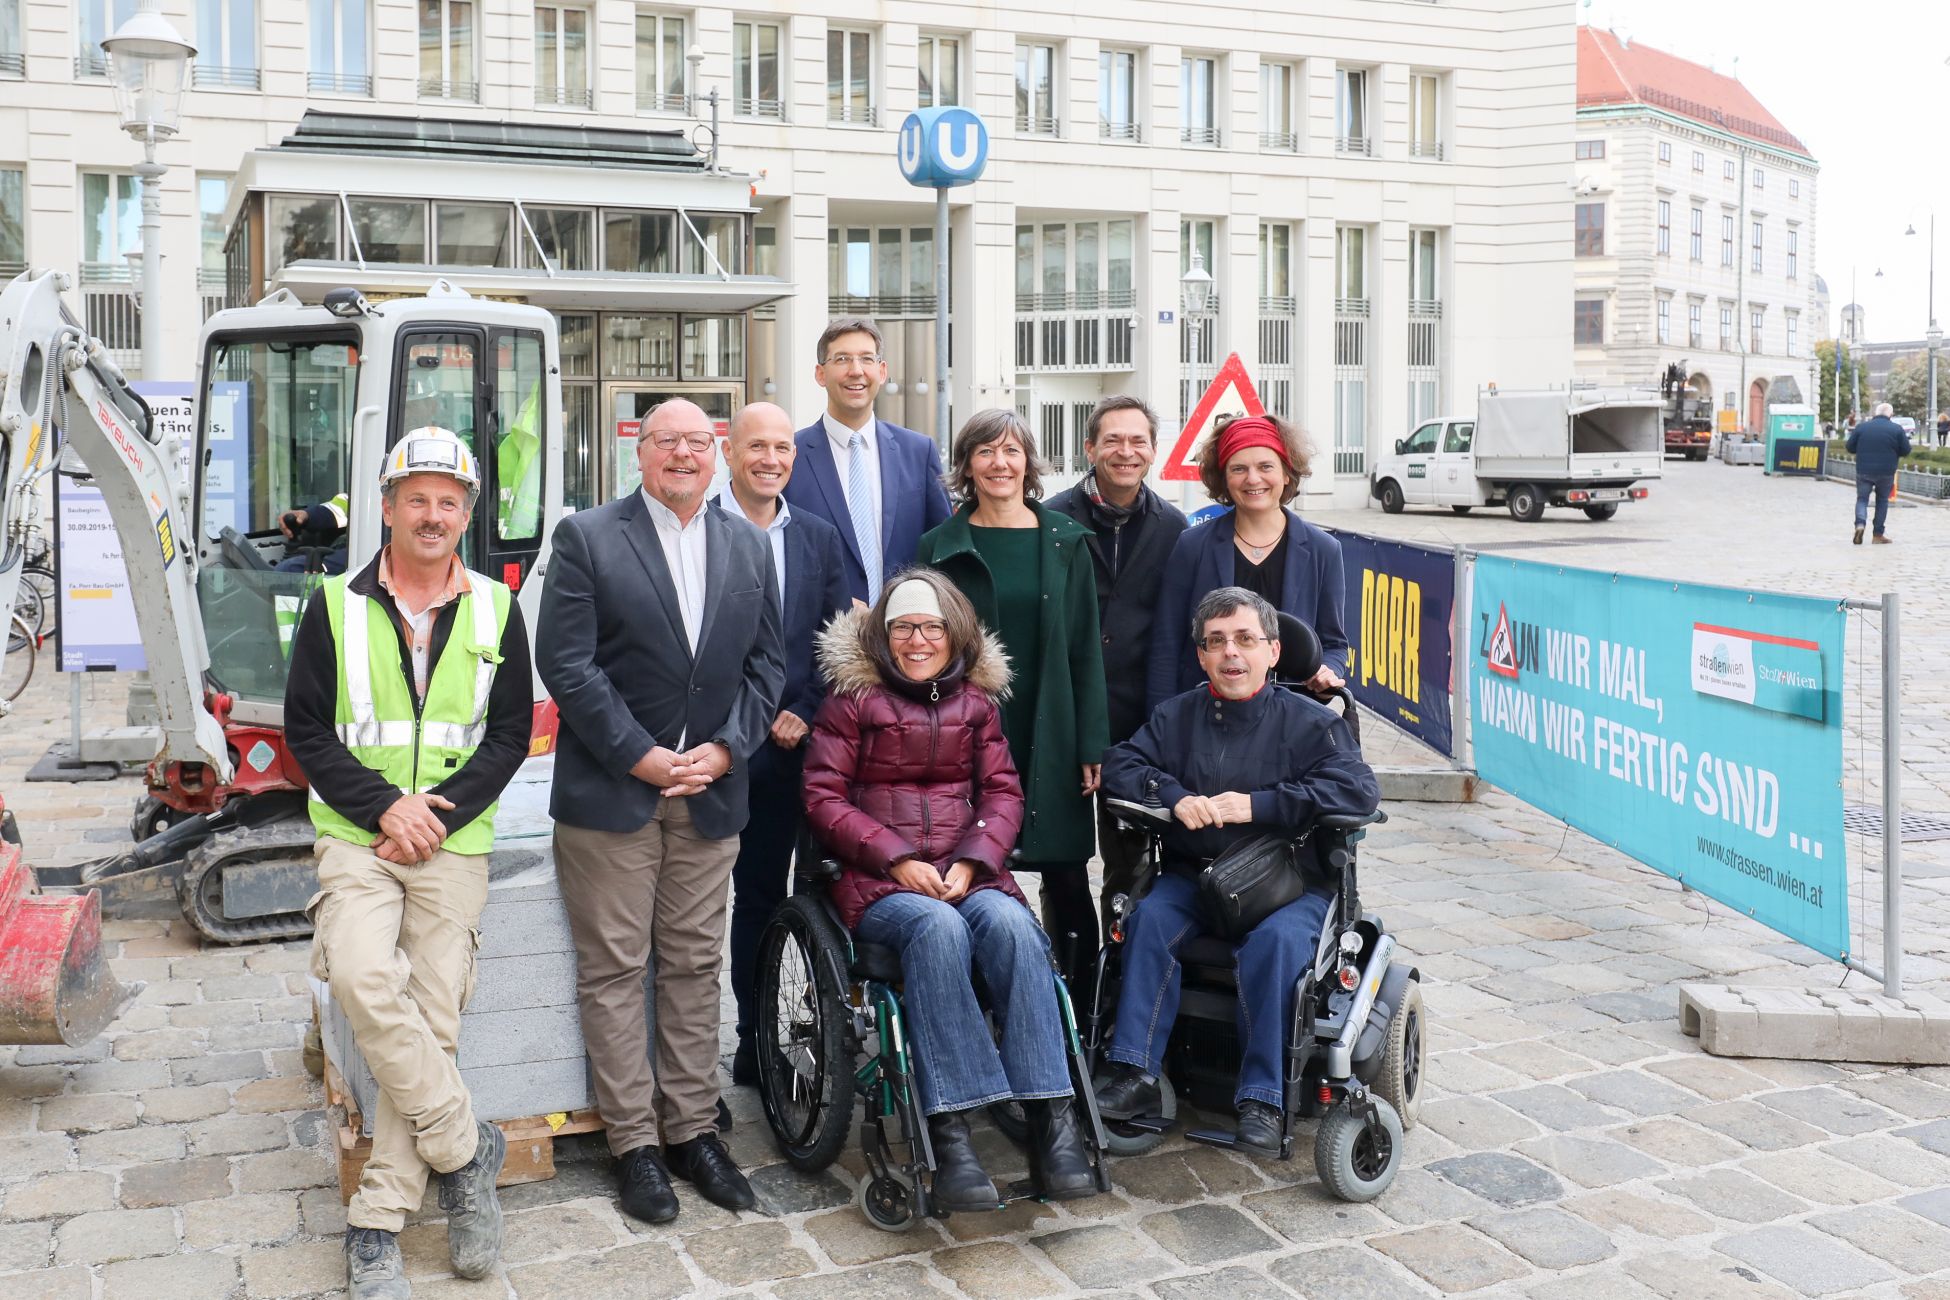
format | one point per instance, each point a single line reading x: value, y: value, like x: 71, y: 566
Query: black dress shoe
x: 1258, y: 1133
x: 643, y: 1186
x: 744, y: 1065
x: 1057, y: 1160
x: 706, y: 1165
x: 960, y: 1182
x: 1128, y: 1094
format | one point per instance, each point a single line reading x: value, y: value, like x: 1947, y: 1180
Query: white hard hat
x: 432, y: 451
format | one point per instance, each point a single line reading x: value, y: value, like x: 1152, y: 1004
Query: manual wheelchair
x: 1357, y: 1040
x: 832, y: 1028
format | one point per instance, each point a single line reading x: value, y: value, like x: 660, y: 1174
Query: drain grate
x: 1866, y: 819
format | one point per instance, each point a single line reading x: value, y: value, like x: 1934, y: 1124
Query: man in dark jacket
x: 1878, y: 445
x: 1232, y: 759
x: 1133, y: 529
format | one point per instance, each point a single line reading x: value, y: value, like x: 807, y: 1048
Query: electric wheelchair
x: 1357, y: 1039
x: 832, y: 1029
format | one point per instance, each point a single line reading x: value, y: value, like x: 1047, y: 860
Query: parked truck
x: 1587, y: 449
x: 1688, y: 416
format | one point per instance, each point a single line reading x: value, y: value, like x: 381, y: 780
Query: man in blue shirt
x: 1878, y: 445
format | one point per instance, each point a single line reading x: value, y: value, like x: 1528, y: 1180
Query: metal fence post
x: 1459, y: 665
x: 1892, y: 796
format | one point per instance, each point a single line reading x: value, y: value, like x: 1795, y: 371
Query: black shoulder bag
x: 1248, y: 883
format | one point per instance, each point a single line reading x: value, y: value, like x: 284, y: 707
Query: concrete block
x: 1816, y: 1025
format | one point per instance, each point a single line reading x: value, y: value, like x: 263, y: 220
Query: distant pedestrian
x: 1878, y: 445
x: 1943, y: 429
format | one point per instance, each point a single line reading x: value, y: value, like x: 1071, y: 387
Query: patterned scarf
x: 1105, y: 513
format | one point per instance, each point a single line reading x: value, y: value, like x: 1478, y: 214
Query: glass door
x: 627, y: 404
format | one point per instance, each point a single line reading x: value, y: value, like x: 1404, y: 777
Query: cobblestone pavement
x: 1574, y: 1145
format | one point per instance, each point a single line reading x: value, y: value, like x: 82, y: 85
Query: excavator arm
x: 58, y: 387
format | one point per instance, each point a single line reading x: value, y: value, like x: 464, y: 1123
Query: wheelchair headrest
x: 1300, y: 652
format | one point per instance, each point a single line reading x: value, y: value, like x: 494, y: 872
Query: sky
x: 1866, y: 87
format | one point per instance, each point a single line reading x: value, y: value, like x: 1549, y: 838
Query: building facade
x: 1695, y: 232
x: 1379, y: 196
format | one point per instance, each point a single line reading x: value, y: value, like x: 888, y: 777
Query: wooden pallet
x: 531, y: 1140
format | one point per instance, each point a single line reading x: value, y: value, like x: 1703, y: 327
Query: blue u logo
x: 942, y: 147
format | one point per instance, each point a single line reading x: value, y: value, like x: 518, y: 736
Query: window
x: 1275, y: 260
x: 1350, y: 265
x: 1794, y: 188
x: 1693, y: 310
x: 212, y: 193
x: 226, y: 39
x: 1590, y: 237
x: 1424, y: 115
x: 517, y: 467
x: 1793, y: 254
x: 1726, y: 327
x: 1665, y: 227
x: 662, y: 76
x: 1699, y: 161
x: 1351, y: 111
x: 302, y: 227
x: 722, y: 234
x: 567, y: 237
x: 1196, y: 234
x: 1117, y: 82
x: 713, y: 347
x: 1422, y: 441
x: 1665, y: 320
x: 1588, y: 322
x: 390, y: 230
x: 562, y: 56
x: 1757, y: 261
x: 1422, y: 283
x: 1696, y: 248
x: 1726, y: 169
x: 13, y: 220
x: 1036, y: 89
x: 1726, y: 239
x: 1759, y: 317
x: 940, y: 71
x: 1665, y: 151
x: 1088, y: 258
x: 1760, y: 179
x: 1276, y: 119
x: 756, y: 49
x: 849, y: 76
x: 1590, y: 149
x: 765, y: 250
x: 472, y: 234
x: 643, y: 242
x: 341, y: 47
x: 447, y: 50
x: 1197, y: 83
x: 1794, y: 333
x: 12, y: 62
x: 111, y: 218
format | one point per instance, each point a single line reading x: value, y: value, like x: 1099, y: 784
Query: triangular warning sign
x: 1503, y: 646
x: 1231, y: 393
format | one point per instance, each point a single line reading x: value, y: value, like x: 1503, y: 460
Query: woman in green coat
x: 1027, y: 571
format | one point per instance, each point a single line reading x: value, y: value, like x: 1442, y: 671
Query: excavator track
x: 250, y: 883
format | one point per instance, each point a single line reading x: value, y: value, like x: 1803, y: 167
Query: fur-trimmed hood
x: 852, y: 657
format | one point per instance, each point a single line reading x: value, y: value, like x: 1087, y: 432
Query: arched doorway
x: 1757, y: 407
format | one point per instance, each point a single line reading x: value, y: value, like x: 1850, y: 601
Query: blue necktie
x: 859, y: 502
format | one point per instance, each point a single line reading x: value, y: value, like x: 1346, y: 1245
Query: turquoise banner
x: 1697, y: 729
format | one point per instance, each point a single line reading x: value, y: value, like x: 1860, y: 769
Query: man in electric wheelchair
x: 1232, y: 780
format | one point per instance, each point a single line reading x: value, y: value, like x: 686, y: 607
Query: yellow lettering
x: 1395, y: 634
x: 1364, y: 653
x: 1412, y: 646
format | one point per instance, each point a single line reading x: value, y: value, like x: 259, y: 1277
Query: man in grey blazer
x: 659, y: 640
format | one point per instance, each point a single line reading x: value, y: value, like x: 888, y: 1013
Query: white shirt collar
x: 664, y: 517
x: 843, y: 437
x: 732, y: 506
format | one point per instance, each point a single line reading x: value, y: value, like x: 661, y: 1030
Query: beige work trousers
x: 660, y: 889
x: 397, y: 945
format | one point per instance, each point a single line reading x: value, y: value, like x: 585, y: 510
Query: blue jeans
x: 1882, y: 486
x: 956, y: 1058
x: 1269, y: 963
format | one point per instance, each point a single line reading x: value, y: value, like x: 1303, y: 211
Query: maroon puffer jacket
x: 892, y: 773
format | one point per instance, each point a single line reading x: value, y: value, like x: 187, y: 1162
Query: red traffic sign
x: 1231, y: 393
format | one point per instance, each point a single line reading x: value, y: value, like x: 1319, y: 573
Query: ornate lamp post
x: 149, y: 61
x: 1195, y: 295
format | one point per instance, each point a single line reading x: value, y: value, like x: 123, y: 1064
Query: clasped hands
x: 687, y: 773
x: 1197, y: 811
x: 921, y: 876
x: 409, y: 831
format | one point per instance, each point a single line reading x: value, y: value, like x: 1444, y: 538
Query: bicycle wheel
x: 30, y: 612
x: 18, y: 667
x: 41, y: 579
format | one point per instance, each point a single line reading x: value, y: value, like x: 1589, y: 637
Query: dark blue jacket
x: 1878, y: 445
x: 1294, y: 756
x: 912, y: 500
x: 815, y: 590
x: 1315, y: 592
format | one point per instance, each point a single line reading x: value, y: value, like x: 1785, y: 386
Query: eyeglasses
x: 697, y: 442
x: 905, y: 631
x: 1216, y: 642
x: 845, y: 360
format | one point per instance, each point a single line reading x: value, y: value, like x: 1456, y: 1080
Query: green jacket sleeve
x: 1087, y: 658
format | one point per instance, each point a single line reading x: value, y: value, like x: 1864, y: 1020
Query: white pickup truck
x: 1586, y: 449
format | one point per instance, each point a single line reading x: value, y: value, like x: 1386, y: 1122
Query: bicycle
x: 23, y: 647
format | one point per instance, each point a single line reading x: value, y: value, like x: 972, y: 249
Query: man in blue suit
x: 878, y: 483
x: 811, y: 563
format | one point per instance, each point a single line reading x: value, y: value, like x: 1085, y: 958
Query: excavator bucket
x: 55, y: 985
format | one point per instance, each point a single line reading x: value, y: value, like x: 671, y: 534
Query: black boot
x: 960, y: 1182
x: 1057, y: 1159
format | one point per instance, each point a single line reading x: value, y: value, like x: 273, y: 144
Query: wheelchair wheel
x: 888, y: 1203
x: 1401, y: 1064
x: 805, y: 1073
x: 1356, y: 1164
x: 1125, y: 1139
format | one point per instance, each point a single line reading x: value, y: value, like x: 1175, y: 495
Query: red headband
x: 1252, y: 431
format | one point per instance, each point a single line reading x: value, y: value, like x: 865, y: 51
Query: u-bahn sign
x: 943, y: 147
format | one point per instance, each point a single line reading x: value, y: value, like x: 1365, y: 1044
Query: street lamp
x: 1935, y: 335
x: 1195, y: 294
x: 148, y: 62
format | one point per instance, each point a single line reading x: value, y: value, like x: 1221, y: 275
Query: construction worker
x: 409, y: 706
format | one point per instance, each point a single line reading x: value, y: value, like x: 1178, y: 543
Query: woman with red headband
x: 1255, y: 465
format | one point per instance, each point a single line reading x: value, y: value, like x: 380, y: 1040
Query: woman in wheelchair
x: 1233, y: 758
x: 909, y: 783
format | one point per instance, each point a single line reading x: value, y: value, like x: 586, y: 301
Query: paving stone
x: 1593, y: 1285
x: 997, y: 1270
x: 56, y: 1196
x: 181, y: 1105
x: 1913, y: 1245
x: 1466, y: 1073
x: 1629, y: 1006
x: 199, y: 1276
x: 647, y: 1270
x: 1345, y: 1273
x: 209, y: 1015
x: 1668, y: 1220
x: 752, y: 1252
x: 1931, y: 1205
x: 32, y: 1154
x: 1702, y: 1277
x: 1548, y: 1238
x: 1678, y: 1143
x: 1307, y: 1213
x: 61, y: 1054
x: 1815, y: 1176
x: 51, y: 1284
x: 1633, y: 1091
x: 1904, y: 1093
x: 159, y: 1045
x: 1834, y: 1109
x: 1165, y: 1178
x: 1207, y: 1234
x: 1934, y: 1136
x: 1711, y: 1077
x: 1760, y: 1127
x: 224, y: 1067
x: 1102, y: 1256
x: 24, y: 1246
x: 1417, y: 1197
x: 1730, y: 1194
x: 848, y: 1239
x: 1225, y: 1284
x: 896, y: 1281
x: 265, y: 1096
x: 175, y: 1182
x: 1534, y: 1059
x: 108, y: 1235
x: 783, y: 1190
x: 1501, y: 1178
x: 1476, y: 1122
x: 254, y: 1220
x: 1012, y: 1220
x: 1225, y: 1174
x: 128, y: 1146
x: 74, y: 1115
x: 229, y: 1135
x: 278, y: 1171
x: 1557, y: 1107
x: 1451, y: 1257
x: 1590, y: 1161
x: 1803, y: 1259
x: 118, y: 1077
